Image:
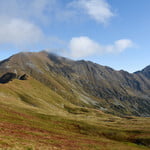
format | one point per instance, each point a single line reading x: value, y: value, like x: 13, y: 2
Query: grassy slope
x: 34, y: 117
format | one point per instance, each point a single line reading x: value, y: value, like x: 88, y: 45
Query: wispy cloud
x: 23, y: 22
x: 119, y: 46
x: 81, y: 47
x: 19, y: 25
x: 35, y: 10
x: 99, y: 10
x: 19, y: 32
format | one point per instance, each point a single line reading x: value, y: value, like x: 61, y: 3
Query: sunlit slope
x: 33, y: 95
x: 32, y: 116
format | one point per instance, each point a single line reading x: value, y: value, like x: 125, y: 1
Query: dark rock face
x: 145, y: 72
x: 24, y: 77
x: 8, y: 77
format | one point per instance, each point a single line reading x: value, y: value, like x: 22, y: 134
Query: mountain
x: 54, y: 103
x: 145, y: 72
x: 84, y: 83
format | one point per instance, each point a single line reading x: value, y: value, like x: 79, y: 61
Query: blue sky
x: 113, y: 33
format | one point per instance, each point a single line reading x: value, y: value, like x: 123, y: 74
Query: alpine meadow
x: 74, y: 75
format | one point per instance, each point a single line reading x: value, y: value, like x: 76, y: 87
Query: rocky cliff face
x: 86, y: 83
x: 145, y: 72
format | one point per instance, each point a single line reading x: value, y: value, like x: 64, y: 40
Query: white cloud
x: 83, y: 47
x: 23, y: 21
x: 19, y: 32
x: 98, y: 10
x: 119, y: 46
x: 39, y: 11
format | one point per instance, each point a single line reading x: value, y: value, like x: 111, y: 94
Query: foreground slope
x: 33, y: 116
x: 84, y: 83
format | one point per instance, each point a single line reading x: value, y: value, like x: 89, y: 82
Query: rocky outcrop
x: 9, y: 76
x: 145, y: 72
x: 24, y: 77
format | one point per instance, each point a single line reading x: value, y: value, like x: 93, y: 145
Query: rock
x: 24, y: 77
x: 7, y: 77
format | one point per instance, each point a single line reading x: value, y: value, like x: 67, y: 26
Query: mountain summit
x: 84, y: 83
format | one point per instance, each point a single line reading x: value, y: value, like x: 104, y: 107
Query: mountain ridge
x: 85, y: 83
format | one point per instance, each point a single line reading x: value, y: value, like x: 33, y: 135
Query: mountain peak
x: 145, y: 72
